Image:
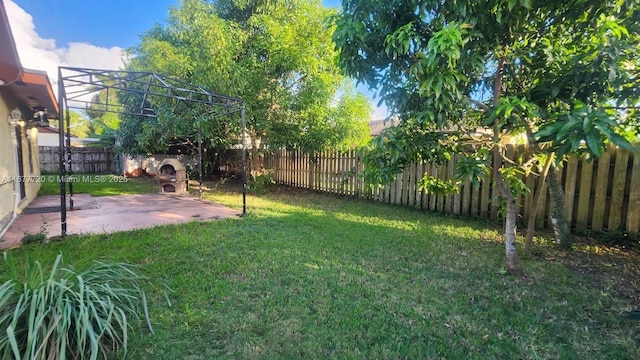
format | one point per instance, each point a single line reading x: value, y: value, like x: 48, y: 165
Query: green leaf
x: 586, y: 123
x: 527, y: 4
x: 594, y: 142
x: 575, y: 141
x: 563, y: 150
x: 621, y: 142
x: 563, y: 130
x: 549, y: 129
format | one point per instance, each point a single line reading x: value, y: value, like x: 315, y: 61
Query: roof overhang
x: 32, y: 88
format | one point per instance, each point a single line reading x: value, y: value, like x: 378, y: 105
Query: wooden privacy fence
x: 600, y: 194
x: 87, y: 160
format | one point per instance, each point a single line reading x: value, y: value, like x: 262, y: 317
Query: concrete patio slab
x: 106, y: 214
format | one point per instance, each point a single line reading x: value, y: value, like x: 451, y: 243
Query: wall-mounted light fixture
x: 15, y: 116
x: 40, y: 116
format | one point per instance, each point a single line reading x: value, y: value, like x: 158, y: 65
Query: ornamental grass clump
x: 62, y: 313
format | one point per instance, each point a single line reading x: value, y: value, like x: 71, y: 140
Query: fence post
x: 584, y: 195
x: 618, y: 190
x: 602, y: 182
x: 633, y: 214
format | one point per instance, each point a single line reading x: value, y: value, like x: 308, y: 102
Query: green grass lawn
x: 99, y: 185
x: 314, y: 276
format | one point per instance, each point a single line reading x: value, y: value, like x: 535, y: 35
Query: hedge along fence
x: 601, y: 194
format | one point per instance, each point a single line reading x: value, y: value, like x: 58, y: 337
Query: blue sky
x: 90, y: 33
x: 103, y: 23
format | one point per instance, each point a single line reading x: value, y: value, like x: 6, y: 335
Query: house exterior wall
x: 7, y: 166
x: 48, y: 139
x: 31, y: 165
x: 53, y: 139
x: 8, y: 169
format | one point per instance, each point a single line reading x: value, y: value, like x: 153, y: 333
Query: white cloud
x: 379, y: 112
x: 44, y: 54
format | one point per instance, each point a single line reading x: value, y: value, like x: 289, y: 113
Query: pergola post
x: 244, y: 164
x: 200, y: 161
x: 61, y: 158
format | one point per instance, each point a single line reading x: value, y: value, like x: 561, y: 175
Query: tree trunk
x: 561, y: 228
x: 559, y: 223
x: 511, y: 216
x: 511, y: 206
x: 255, y: 156
x: 510, y: 235
x: 531, y: 225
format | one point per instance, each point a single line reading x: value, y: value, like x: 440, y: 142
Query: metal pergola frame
x: 78, y: 86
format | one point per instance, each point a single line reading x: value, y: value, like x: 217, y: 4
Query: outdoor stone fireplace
x: 172, y: 177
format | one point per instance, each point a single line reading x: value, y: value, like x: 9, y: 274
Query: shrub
x: 261, y: 183
x: 39, y: 238
x: 62, y: 313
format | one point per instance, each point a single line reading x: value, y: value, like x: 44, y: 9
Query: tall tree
x: 276, y: 55
x: 101, y: 121
x: 511, y: 65
x: 79, y: 125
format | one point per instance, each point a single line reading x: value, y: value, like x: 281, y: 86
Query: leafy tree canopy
x: 102, y: 122
x: 276, y: 55
x: 556, y: 58
x: 79, y: 125
x: 567, y: 70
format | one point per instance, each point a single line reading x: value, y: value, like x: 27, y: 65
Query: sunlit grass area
x: 313, y: 276
x: 99, y: 185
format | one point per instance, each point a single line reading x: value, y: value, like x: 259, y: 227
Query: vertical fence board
x: 617, y: 192
x: 433, y: 199
x: 325, y: 171
x: 295, y: 175
x: 633, y: 213
x: 466, y: 198
x: 540, y: 215
x: 440, y: 199
x: 475, y: 200
x: 426, y: 168
x: 386, y: 197
x: 330, y: 162
x: 396, y: 195
x: 341, y: 173
x: 600, y: 197
x: 451, y: 169
x: 571, y: 178
x: 584, y: 196
x: 528, y: 199
x: 485, y: 192
x: 411, y: 187
x: 357, y: 186
x: 408, y: 184
x: 352, y: 173
x: 457, y: 197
